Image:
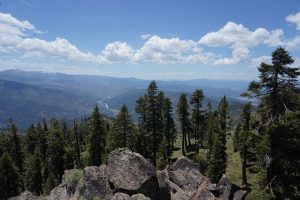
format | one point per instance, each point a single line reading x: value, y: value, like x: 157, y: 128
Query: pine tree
x: 223, y: 113
x: 33, y: 175
x: 162, y: 155
x: 182, y: 110
x: 122, y: 131
x: 42, y: 142
x: 31, y: 140
x: 76, y: 146
x: 96, y: 149
x: 223, y: 120
x: 9, y: 178
x: 69, y: 155
x: 278, y: 95
x: 244, y: 139
x: 142, y: 138
x: 49, y: 183
x: 15, y: 149
x: 55, y: 150
x: 207, y: 116
x: 217, y: 153
x: 217, y: 164
x: 169, y: 129
x: 197, y: 116
x: 212, y: 128
x: 236, y: 137
x: 4, y: 143
x: 153, y: 120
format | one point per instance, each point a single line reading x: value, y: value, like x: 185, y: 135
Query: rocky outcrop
x: 239, y: 195
x: 224, y: 186
x: 120, y: 196
x: 129, y: 176
x: 94, y: 184
x: 183, y: 180
x: 131, y: 173
x: 29, y: 196
x: 59, y: 192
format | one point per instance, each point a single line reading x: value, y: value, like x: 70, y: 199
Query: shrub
x: 74, y: 176
x: 201, y: 159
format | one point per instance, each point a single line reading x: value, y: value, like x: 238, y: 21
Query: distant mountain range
x: 28, y: 96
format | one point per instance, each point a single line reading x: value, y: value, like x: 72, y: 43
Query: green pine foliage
x: 149, y: 107
x: 169, y: 129
x: 33, y: 175
x: 197, y: 118
x: 15, y: 147
x: 217, y: 163
x: 278, y: 94
x: 162, y: 155
x: 122, y: 133
x: 153, y: 120
x: 217, y: 144
x: 182, y: 110
x: 10, y: 178
x: 97, y: 137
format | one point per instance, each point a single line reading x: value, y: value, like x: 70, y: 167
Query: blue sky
x: 170, y: 39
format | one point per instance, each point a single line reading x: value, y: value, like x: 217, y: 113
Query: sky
x: 148, y: 39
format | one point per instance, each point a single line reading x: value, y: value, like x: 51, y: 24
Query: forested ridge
x: 267, y: 137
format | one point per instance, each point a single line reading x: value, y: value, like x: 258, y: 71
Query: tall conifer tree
x: 182, y: 110
x: 10, y: 179
x: 96, y: 148
x: 197, y: 116
x: 278, y: 94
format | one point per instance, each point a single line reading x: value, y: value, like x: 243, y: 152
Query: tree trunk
x: 244, y: 167
x: 183, y: 144
x: 189, y: 138
x: 185, y: 141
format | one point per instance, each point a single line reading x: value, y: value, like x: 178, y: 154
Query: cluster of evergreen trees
x: 268, y: 140
x: 36, y: 160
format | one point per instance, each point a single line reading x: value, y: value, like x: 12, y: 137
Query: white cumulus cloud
x: 240, y: 39
x: 170, y: 50
x: 294, y: 18
x: 9, y: 19
x: 236, y: 35
x: 255, y: 62
x: 238, y: 55
x: 118, y: 52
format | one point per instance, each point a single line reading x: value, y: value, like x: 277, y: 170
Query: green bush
x: 201, y: 159
x: 96, y: 198
x: 74, y: 176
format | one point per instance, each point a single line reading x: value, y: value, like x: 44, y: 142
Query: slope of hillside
x: 28, y: 96
x: 28, y: 104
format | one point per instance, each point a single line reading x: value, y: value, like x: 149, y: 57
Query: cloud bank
x: 17, y: 36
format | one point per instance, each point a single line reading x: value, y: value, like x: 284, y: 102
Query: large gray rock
x: 181, y: 181
x: 94, y: 184
x: 139, y: 197
x: 120, y: 196
x: 204, y: 194
x: 26, y: 195
x: 129, y: 176
x: 59, y: 193
x: 179, y: 195
x: 131, y: 173
x: 186, y: 174
x: 239, y: 195
x: 224, y: 186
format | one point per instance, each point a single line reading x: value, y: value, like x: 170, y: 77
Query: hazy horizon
x: 125, y: 77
